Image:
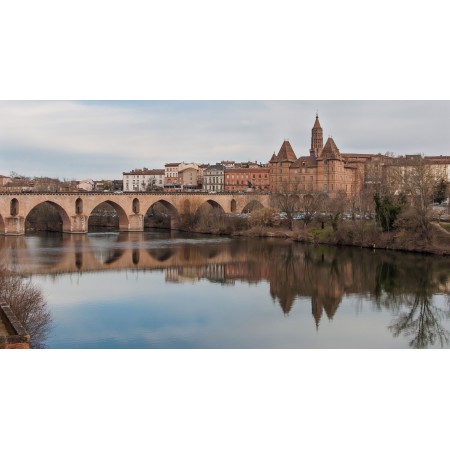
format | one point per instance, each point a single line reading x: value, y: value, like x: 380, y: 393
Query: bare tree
x: 336, y: 206
x: 28, y: 304
x: 417, y: 180
x: 287, y: 202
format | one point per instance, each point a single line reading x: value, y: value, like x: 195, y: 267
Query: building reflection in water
x: 405, y: 284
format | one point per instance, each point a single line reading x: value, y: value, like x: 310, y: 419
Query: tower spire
x: 316, y: 138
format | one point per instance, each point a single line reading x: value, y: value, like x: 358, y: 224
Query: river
x: 166, y: 289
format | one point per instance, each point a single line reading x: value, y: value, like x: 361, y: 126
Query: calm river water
x: 162, y: 289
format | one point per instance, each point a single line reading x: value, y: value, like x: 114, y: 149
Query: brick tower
x: 316, y: 139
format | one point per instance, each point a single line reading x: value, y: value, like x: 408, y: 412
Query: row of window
x: 246, y: 176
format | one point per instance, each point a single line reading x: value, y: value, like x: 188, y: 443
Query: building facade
x: 246, y: 178
x: 213, y: 178
x: 142, y: 180
x: 325, y: 170
x: 188, y: 177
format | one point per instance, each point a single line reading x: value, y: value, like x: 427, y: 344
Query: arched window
x: 14, y: 207
x: 233, y: 205
x: 79, y: 206
x: 136, y: 206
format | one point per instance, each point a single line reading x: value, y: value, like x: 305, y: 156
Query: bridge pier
x: 78, y: 224
x: 174, y: 223
x: 135, y: 223
x: 14, y: 226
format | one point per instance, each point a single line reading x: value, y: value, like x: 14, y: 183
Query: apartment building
x: 246, y: 177
x: 213, y: 178
x: 142, y: 180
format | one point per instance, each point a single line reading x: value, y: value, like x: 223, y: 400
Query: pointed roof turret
x: 330, y: 150
x: 286, y: 152
x: 274, y: 158
x: 317, y: 123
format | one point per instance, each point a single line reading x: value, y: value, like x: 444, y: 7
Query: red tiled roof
x: 303, y: 161
x: 330, y: 150
x: 286, y: 152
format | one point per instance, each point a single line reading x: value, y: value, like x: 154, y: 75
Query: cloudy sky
x: 101, y: 139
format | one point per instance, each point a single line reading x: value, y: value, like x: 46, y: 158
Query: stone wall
x: 16, y: 336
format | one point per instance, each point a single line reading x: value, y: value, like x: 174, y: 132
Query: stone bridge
x: 76, y: 208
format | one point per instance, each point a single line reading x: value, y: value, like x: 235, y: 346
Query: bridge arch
x: 2, y: 225
x: 212, y: 204
x: 251, y: 206
x: 122, y: 215
x: 171, y: 213
x: 65, y: 225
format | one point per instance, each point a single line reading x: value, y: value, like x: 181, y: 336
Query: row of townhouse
x: 226, y: 176
x: 237, y: 177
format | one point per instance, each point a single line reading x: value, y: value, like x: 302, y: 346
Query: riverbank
x: 365, y: 235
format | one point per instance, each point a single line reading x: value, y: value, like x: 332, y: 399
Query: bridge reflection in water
x: 406, y: 283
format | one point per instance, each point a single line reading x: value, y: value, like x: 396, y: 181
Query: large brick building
x: 324, y: 170
x: 246, y: 178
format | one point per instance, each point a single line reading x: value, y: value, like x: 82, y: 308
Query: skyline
x: 102, y: 139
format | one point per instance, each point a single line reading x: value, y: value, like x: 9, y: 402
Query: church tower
x: 316, y: 139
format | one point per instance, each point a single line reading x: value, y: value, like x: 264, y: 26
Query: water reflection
x: 422, y: 321
x: 406, y: 285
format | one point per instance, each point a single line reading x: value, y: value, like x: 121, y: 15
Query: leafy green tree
x: 440, y: 191
x: 387, y: 210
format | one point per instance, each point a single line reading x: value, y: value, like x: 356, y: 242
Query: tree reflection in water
x: 28, y: 305
x: 422, y: 322
x: 408, y: 290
